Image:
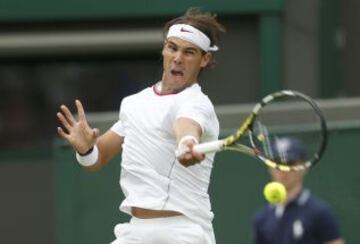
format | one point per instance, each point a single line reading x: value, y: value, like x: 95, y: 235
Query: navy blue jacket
x: 306, y: 220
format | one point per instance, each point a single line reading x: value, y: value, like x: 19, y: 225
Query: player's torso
x: 151, y: 177
x: 149, y: 121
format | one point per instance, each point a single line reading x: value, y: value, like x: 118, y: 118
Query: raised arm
x: 84, y: 139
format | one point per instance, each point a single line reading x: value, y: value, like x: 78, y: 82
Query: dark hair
x: 206, y: 22
x: 287, y: 150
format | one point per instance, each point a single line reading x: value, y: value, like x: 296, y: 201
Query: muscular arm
x: 109, y: 145
x: 185, y: 127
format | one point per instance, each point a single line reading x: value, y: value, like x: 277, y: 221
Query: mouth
x: 177, y: 73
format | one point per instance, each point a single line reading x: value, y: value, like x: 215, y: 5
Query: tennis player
x: 167, y: 196
x: 303, y: 218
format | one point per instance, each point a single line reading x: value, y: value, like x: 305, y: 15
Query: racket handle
x: 209, y: 147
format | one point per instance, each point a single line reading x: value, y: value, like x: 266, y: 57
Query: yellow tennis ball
x: 275, y: 192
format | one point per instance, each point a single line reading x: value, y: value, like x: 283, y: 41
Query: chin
x: 178, y: 80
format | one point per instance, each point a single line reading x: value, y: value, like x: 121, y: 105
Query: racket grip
x: 209, y: 147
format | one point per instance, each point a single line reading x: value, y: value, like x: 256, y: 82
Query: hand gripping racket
x: 286, y: 131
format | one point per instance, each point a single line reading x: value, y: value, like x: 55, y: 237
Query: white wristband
x: 188, y: 137
x: 181, y: 150
x: 89, y: 159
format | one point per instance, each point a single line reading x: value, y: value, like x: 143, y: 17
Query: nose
x: 278, y: 175
x: 178, y: 56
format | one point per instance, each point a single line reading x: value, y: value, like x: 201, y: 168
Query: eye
x: 172, y: 47
x: 190, y: 52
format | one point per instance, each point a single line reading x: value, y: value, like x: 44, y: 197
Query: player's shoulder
x: 128, y: 102
x: 195, y: 92
x: 137, y: 95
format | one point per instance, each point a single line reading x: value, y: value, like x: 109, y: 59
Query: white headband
x: 191, y: 34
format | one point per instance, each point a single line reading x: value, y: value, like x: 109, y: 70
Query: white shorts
x: 169, y: 230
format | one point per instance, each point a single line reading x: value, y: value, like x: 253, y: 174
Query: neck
x: 164, y: 87
x: 293, y: 192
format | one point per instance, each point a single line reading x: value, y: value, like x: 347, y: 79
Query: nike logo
x: 185, y: 30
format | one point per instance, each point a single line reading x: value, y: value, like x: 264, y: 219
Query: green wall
x: 329, y: 50
x: 44, y: 10
x: 269, y: 13
x: 87, y: 203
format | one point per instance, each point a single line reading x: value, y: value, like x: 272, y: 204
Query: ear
x: 163, y: 48
x: 206, y: 58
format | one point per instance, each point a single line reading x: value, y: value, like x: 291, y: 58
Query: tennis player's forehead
x: 183, y: 44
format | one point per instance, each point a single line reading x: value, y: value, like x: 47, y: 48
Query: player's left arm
x: 188, y: 133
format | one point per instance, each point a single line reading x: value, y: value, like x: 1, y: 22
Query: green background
x: 40, y: 10
x: 87, y: 203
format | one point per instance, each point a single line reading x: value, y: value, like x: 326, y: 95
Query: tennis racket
x: 286, y: 131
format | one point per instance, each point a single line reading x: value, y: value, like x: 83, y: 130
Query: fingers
x: 76, y: 131
x: 188, y: 157
x: 96, y: 133
x: 198, y: 156
x: 80, y: 110
x: 63, y: 121
x: 62, y: 133
x: 67, y: 115
x: 68, y: 121
x: 189, y: 160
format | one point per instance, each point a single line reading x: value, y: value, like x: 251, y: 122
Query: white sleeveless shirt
x: 151, y: 177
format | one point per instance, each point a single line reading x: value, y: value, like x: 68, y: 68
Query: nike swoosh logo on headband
x: 185, y: 30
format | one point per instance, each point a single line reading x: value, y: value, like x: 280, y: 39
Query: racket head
x: 288, y: 142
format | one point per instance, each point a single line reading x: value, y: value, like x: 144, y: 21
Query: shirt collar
x: 300, y: 200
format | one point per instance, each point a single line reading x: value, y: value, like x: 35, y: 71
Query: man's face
x: 182, y: 62
x: 288, y: 179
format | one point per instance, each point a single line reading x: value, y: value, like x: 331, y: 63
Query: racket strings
x: 241, y: 148
x: 263, y: 140
x: 305, y: 123
x: 231, y: 140
x: 284, y: 114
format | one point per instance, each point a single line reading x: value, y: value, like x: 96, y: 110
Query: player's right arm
x: 82, y: 137
x: 109, y: 145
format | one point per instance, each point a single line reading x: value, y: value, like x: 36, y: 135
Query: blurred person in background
x: 302, y: 218
x: 166, y: 196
